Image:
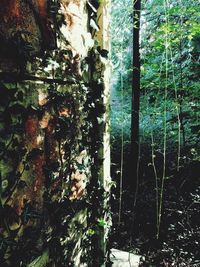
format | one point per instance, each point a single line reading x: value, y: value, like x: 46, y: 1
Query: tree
x: 52, y: 133
x: 135, y: 98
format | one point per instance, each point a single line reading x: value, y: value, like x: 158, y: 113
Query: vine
x: 54, y: 180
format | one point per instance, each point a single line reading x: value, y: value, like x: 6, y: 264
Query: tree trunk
x: 53, y: 160
x: 135, y: 97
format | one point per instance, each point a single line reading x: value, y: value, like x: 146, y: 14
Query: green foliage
x: 41, y: 261
x: 181, y: 28
x: 169, y: 109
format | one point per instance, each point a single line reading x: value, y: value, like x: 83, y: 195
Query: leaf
x: 29, y: 213
x: 6, y: 94
x: 21, y: 185
x: 34, y: 153
x: 91, y: 232
x: 17, y: 109
x: 101, y: 222
x: 103, y: 52
x: 94, y: 25
x: 41, y: 261
x: 20, y: 96
x: 91, y: 7
x: 9, y: 213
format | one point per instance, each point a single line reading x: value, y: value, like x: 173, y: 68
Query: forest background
x: 166, y: 213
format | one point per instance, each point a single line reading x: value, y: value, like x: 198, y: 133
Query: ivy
x: 68, y: 122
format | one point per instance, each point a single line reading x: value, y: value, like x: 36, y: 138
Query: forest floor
x: 179, y: 240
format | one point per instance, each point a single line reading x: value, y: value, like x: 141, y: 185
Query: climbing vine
x: 50, y: 138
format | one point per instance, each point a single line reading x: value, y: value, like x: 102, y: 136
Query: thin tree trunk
x: 181, y: 96
x: 135, y: 97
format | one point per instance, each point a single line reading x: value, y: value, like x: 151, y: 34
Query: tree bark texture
x: 52, y: 108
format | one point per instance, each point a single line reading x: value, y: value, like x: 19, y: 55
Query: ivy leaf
x: 17, y: 109
x: 103, y: 52
x: 21, y: 185
x: 91, y: 232
x: 34, y: 153
x: 9, y: 214
x: 20, y: 96
x: 6, y: 94
x: 29, y: 213
x: 94, y: 25
x: 2, y: 146
x: 91, y: 7
x: 63, y: 128
x: 101, y: 222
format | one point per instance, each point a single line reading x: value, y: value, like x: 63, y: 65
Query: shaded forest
x: 158, y: 217
x: 59, y: 207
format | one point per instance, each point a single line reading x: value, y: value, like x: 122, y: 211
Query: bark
x: 49, y: 105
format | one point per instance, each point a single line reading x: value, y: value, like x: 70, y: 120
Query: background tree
x: 135, y: 99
